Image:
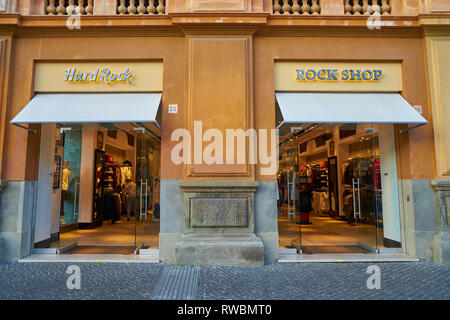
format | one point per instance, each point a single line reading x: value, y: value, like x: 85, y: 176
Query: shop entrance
x: 102, y: 194
x: 338, y: 190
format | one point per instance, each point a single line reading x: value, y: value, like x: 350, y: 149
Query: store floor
x: 324, y: 234
x: 120, y: 235
x: 102, y: 250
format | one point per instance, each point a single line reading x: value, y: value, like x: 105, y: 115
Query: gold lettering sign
x: 338, y: 76
x: 98, y: 76
x: 104, y: 75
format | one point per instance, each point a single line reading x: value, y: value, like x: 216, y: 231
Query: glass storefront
x: 338, y: 189
x: 105, y: 188
x: 70, y: 143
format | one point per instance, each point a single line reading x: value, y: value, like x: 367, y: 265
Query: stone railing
x: 69, y: 7
x: 296, y: 7
x: 279, y: 8
x: 141, y: 7
x: 367, y: 7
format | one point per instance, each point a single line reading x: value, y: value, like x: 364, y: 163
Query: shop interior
x: 105, y: 188
x: 337, y: 189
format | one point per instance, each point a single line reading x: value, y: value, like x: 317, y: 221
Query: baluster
x: 366, y: 10
x: 305, y: 7
x: 61, y: 9
x: 71, y: 7
x: 132, y: 7
x: 51, y: 9
x: 276, y: 7
x: 356, y: 7
x: 151, y: 9
x: 80, y: 8
x: 286, y: 7
x: 141, y: 8
x: 296, y: 7
x: 385, y: 7
x: 315, y: 7
x: 347, y: 7
x: 161, y: 8
x: 376, y: 9
x: 122, y: 9
x: 89, y: 8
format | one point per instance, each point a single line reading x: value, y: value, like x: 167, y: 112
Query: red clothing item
x: 375, y: 169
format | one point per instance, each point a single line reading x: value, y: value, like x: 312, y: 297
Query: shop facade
x: 225, y: 65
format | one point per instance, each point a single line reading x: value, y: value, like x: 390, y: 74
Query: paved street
x: 279, y: 281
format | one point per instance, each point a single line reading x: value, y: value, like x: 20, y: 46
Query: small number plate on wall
x: 173, y: 108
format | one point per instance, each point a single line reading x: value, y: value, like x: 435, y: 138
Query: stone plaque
x: 218, y: 212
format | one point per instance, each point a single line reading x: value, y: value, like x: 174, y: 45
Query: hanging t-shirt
x: 125, y: 173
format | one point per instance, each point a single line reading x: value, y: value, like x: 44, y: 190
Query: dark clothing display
x: 305, y: 201
x: 110, y: 176
x: 111, y: 207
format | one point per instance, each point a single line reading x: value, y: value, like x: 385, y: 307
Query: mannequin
x: 64, y: 184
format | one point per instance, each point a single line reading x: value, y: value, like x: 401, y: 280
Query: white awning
x: 91, y: 107
x: 296, y: 108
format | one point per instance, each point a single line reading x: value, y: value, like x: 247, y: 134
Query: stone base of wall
x: 441, y: 240
x: 173, y: 219
x: 441, y: 248
x: 17, y: 204
x: 219, y: 224
x: 219, y: 250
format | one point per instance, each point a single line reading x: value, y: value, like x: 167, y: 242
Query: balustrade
x: 296, y: 7
x: 141, y: 7
x: 367, y: 7
x: 69, y: 7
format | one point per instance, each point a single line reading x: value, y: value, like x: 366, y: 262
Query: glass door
x: 143, y: 192
x: 69, y: 208
x: 366, y: 189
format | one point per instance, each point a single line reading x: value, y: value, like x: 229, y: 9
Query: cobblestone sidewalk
x: 278, y: 281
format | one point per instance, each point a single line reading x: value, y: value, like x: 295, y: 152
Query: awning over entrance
x: 91, y: 108
x: 296, y: 108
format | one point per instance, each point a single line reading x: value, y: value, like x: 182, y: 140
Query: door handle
x: 354, y: 198
x: 76, y: 199
x: 140, y: 201
x: 359, y: 200
x: 146, y: 198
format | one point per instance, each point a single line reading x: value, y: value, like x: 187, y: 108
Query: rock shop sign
x: 338, y: 76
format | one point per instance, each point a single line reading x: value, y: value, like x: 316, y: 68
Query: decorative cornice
x: 440, y: 185
x: 261, y: 24
x: 233, y: 18
x: 435, y: 24
x: 340, y: 20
